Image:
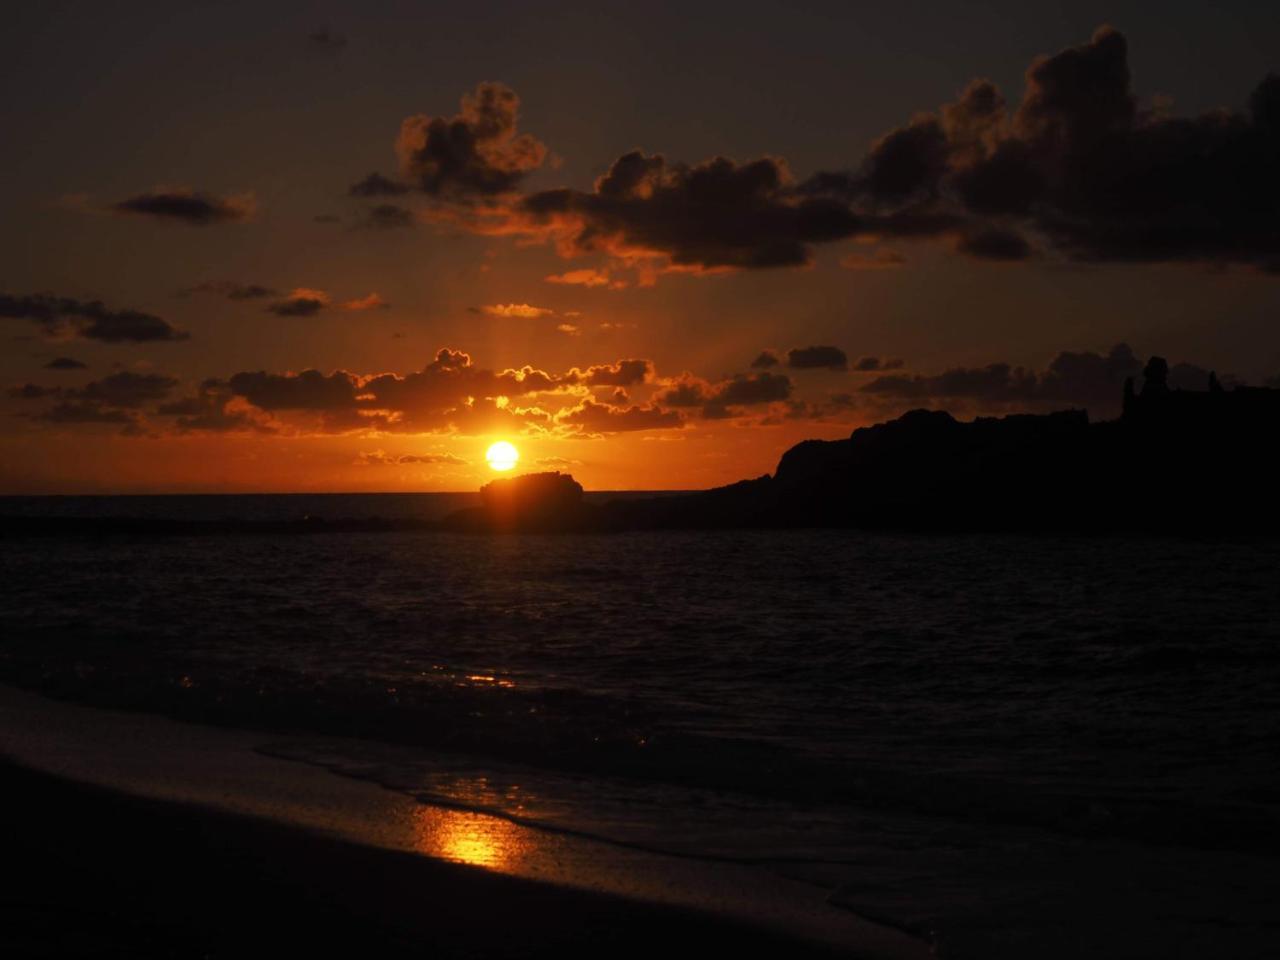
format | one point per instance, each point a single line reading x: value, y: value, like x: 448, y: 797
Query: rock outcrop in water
x: 533, y: 502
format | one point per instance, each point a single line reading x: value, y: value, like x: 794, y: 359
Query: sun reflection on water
x: 477, y: 839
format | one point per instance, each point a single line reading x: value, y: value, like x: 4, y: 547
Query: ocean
x: 994, y: 742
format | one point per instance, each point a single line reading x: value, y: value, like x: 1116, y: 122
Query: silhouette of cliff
x: 1176, y: 461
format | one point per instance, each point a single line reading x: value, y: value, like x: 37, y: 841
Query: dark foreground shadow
x: 89, y: 873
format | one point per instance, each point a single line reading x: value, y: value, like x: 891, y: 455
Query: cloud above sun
x: 1079, y: 170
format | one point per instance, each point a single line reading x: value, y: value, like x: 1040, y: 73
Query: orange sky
x: 206, y: 287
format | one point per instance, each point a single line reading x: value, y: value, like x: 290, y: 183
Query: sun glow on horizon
x: 502, y: 456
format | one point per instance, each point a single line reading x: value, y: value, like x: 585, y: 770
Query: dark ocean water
x: 965, y: 736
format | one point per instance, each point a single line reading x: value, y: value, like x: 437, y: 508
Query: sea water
x: 1012, y: 745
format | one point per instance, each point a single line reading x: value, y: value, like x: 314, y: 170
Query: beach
x: 144, y: 837
x: 993, y: 747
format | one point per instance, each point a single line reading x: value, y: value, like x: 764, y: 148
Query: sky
x: 337, y: 247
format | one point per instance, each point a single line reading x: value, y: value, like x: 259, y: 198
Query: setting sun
x: 502, y: 456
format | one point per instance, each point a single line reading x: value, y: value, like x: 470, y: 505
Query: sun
x: 502, y: 456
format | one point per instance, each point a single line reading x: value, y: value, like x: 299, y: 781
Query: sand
x: 136, y: 835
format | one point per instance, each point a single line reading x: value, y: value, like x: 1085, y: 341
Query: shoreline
x: 109, y: 799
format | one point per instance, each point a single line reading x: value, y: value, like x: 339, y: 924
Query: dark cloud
x: 765, y: 360
x: 431, y: 458
x: 326, y: 218
x: 449, y: 393
x: 877, y: 260
x: 89, y: 319
x: 717, y: 400
x: 1083, y: 165
x: 621, y: 373
x: 127, y: 389
x: 376, y: 185
x: 188, y: 206
x: 232, y: 290
x: 714, y: 215
x: 687, y: 391
x: 747, y: 389
x: 326, y: 41
x: 1083, y: 379
x: 212, y: 409
x: 378, y: 458
x: 994, y: 244
x: 388, y: 216
x: 308, y: 390
x: 115, y: 399
x: 594, y: 417
x: 1080, y: 167
x: 360, y: 304
x: 475, y: 154
x: 996, y: 384
x: 65, y: 363
x: 817, y: 358
x: 870, y: 364
x: 88, y: 411
x: 302, y: 302
x: 32, y: 391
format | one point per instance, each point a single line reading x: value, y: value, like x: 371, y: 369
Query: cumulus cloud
x: 475, y: 154
x: 127, y: 389
x: 593, y: 417
x: 817, y: 358
x: 32, y: 391
x: 871, y: 364
x: 716, y: 215
x: 449, y: 394
x: 62, y: 316
x: 301, y: 302
x: 1080, y: 168
x: 387, y: 216
x: 621, y: 373
x: 721, y: 400
x: 214, y: 408
x: 765, y: 360
x: 115, y: 399
x: 1073, y: 379
x: 190, y: 206
x: 308, y: 390
x: 522, y: 310
x: 231, y: 290
x: 372, y: 302
x: 379, y: 458
x: 588, y: 277
x: 376, y: 185
x: 87, y: 411
x: 1084, y: 166
x: 875, y: 260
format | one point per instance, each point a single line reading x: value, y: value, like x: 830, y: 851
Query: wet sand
x: 148, y: 838
x: 92, y: 873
